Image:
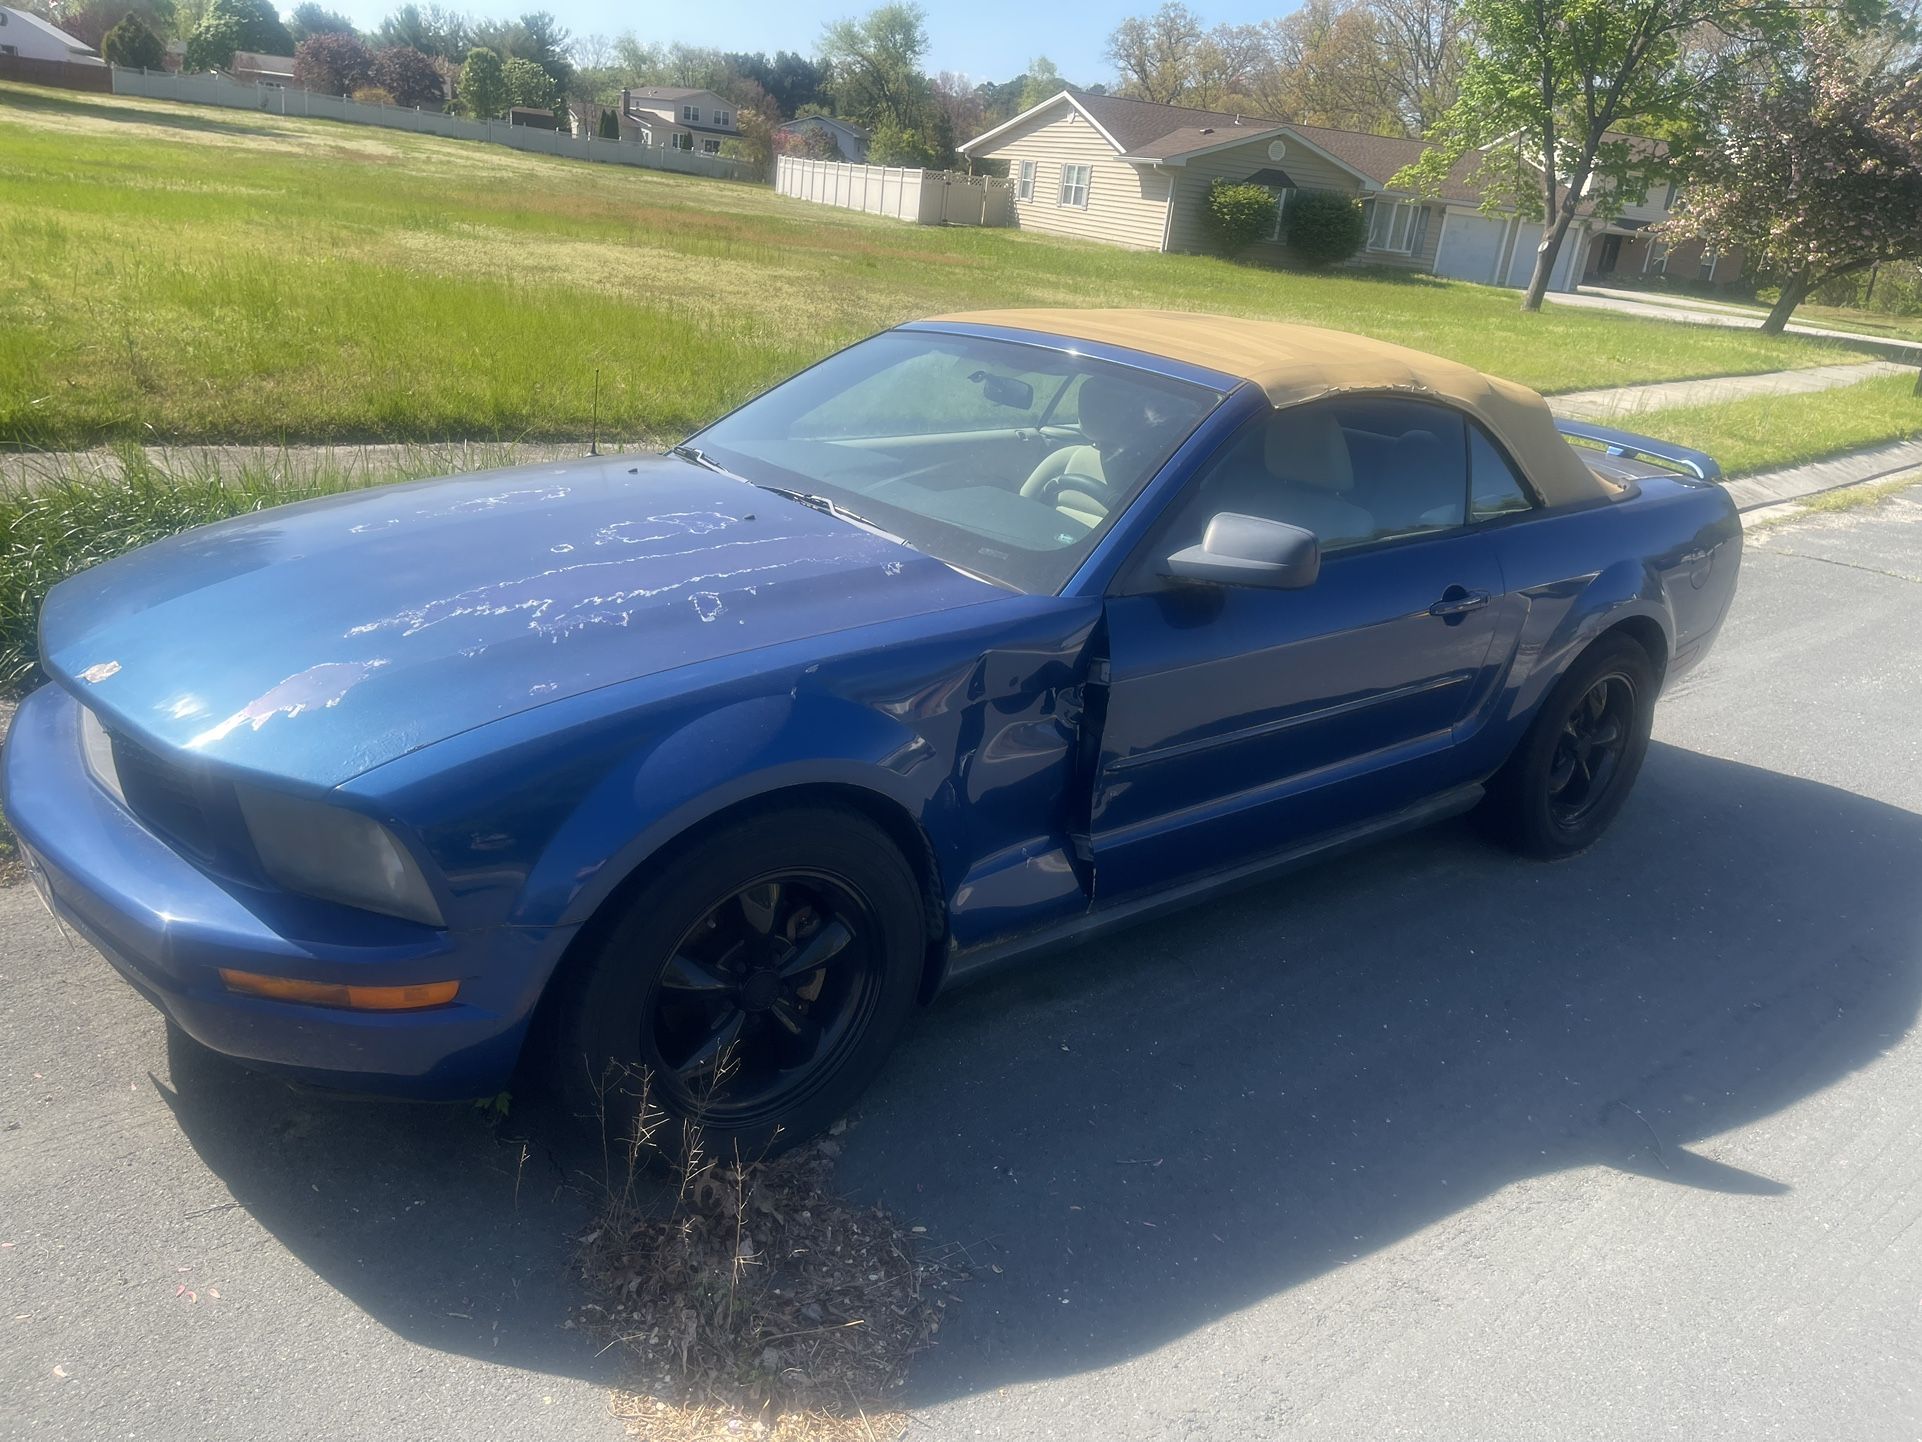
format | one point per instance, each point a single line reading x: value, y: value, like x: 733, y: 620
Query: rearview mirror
x: 1005, y: 390
x: 1241, y: 550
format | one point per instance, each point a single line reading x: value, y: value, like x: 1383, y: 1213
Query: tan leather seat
x: 1304, y: 479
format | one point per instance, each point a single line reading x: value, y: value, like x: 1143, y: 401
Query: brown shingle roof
x: 1137, y: 124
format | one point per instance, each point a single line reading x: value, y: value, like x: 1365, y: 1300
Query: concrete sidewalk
x: 1618, y: 401
x: 1710, y: 313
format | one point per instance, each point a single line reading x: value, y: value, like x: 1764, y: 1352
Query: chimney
x: 625, y: 94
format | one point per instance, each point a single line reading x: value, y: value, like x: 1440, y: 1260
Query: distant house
x: 678, y: 118
x: 250, y: 68
x: 28, y: 37
x: 1136, y: 173
x: 850, y: 141
x: 532, y: 117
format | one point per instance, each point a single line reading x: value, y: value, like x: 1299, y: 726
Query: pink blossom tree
x: 1815, y: 166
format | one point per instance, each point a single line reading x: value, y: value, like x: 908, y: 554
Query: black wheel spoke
x: 824, y: 946
x: 1594, y: 736
x: 698, y: 978
x: 708, y: 1056
x: 762, y: 906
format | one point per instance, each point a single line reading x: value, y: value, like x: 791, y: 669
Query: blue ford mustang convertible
x: 985, y: 633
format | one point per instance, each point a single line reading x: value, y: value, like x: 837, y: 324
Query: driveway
x: 1425, y: 1142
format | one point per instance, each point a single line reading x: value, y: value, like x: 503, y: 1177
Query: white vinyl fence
x: 214, y: 89
x: 926, y: 197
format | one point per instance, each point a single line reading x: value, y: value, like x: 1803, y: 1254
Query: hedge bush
x: 1324, y: 227
x: 1238, y: 214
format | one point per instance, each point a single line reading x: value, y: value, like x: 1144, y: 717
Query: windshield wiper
x: 827, y: 505
x: 702, y: 458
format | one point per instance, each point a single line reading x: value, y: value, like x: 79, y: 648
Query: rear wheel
x: 1575, y: 767
x: 756, y: 982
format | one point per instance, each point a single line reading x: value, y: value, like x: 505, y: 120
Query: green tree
x: 132, y: 45
x: 1156, y: 54
x: 875, y: 63
x: 229, y: 25
x: 1553, y: 86
x: 891, y: 144
x: 309, y: 19
x: 1814, y: 168
x: 431, y: 29
x: 1041, y: 82
x: 482, y: 89
x: 528, y: 86
x: 610, y: 124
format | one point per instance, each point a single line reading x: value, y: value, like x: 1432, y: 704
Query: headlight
x: 336, y: 854
x: 96, y: 746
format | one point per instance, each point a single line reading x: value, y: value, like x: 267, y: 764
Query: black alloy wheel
x: 761, y: 995
x: 1575, y: 766
x: 1588, y: 754
x: 752, y: 982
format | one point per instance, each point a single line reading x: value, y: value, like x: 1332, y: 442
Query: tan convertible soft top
x: 1296, y: 363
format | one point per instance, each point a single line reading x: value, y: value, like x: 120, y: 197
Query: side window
x: 1493, y: 487
x: 1353, y: 470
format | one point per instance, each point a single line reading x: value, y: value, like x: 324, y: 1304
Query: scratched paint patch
x: 315, y: 689
x: 708, y: 604
x: 94, y: 675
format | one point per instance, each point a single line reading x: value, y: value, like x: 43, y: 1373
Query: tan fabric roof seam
x: 1294, y: 364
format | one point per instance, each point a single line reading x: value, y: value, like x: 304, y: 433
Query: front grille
x: 168, y: 798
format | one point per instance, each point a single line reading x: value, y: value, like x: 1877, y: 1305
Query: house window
x: 1709, y: 258
x: 710, y: 146
x: 1393, y: 225
x: 681, y: 140
x: 690, y: 115
x: 1024, y: 185
x: 723, y: 118
x: 1074, y: 186
x: 1668, y: 202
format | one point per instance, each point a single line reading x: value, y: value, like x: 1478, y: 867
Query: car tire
x: 690, y: 995
x: 1572, y: 772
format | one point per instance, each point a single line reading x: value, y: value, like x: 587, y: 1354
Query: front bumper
x: 168, y: 927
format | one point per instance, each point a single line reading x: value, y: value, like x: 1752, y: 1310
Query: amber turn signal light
x: 355, y: 998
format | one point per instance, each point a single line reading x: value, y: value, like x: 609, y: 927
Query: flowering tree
x: 332, y: 63
x: 1815, y: 168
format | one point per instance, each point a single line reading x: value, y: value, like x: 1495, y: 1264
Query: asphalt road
x: 1426, y: 1142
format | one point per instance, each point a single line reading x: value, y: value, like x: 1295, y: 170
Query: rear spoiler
x: 1630, y: 446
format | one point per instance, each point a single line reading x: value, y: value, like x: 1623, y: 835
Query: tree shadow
x: 162, y: 115
x: 1168, y: 1126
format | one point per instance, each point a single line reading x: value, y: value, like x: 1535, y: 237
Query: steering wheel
x: 1093, y: 487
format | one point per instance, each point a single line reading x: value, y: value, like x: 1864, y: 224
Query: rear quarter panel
x: 1667, y: 552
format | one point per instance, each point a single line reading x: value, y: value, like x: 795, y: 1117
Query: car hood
x: 316, y: 641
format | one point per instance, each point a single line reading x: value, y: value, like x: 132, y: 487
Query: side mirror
x: 1249, y: 551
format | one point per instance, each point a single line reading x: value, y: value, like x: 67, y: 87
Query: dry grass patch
x: 754, y: 1300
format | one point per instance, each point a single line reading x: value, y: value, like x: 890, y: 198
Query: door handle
x: 1456, y: 601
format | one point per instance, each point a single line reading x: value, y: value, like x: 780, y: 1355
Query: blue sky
x: 989, y: 39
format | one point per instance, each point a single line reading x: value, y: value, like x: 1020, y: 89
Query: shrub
x: 374, y: 95
x: 891, y: 144
x: 333, y: 63
x: 409, y: 76
x: 610, y: 124
x: 1238, y: 214
x: 1325, y: 227
x: 132, y: 45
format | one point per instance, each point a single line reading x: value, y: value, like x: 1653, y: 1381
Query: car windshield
x: 1006, y: 460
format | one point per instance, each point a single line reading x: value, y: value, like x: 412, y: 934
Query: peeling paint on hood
x: 319, y: 640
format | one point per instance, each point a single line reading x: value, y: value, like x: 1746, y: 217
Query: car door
x: 1241, y: 720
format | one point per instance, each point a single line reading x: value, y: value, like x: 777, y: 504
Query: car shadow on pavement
x: 1149, y: 1133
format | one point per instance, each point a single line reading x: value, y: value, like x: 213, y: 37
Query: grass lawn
x: 1766, y: 432
x: 179, y: 273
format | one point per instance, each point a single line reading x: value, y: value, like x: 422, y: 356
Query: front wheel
x: 1575, y: 767
x: 755, y: 984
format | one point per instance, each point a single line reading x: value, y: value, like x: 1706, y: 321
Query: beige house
x: 1135, y: 173
x: 681, y: 119
x: 251, y: 68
